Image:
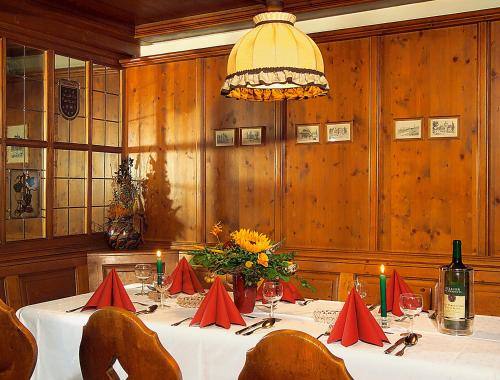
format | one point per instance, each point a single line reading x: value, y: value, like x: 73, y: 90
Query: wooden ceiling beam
x: 234, y: 19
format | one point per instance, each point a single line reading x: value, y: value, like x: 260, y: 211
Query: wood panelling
x: 102, y: 262
x: 494, y: 139
x: 3, y: 295
x: 326, y: 201
x: 46, y: 286
x: 67, y: 33
x: 240, y: 180
x: 428, y: 187
x: 163, y: 135
x: 348, y: 207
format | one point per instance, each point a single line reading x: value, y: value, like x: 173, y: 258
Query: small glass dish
x: 192, y: 301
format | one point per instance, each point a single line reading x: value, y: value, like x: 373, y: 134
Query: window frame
x: 50, y: 144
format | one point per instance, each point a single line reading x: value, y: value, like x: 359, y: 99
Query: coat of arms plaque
x: 69, y: 98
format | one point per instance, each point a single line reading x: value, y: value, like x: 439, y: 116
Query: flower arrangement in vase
x: 124, y: 221
x: 250, y: 257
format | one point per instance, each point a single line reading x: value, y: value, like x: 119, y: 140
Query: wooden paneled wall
x: 344, y: 207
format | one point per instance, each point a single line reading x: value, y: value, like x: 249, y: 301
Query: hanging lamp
x: 275, y: 61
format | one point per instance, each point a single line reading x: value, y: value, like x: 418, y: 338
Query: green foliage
x: 231, y: 259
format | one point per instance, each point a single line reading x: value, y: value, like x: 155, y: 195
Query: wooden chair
x: 290, y: 355
x: 18, y: 350
x: 115, y: 334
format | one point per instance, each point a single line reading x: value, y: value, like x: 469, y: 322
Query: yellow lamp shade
x: 275, y: 61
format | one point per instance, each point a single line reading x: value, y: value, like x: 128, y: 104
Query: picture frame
x: 339, y: 131
x: 444, y: 127
x: 408, y: 129
x: 308, y: 134
x: 225, y: 137
x: 250, y: 136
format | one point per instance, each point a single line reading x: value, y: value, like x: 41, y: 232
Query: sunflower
x: 251, y: 241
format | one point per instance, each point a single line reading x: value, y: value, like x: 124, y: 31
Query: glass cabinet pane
x: 25, y: 92
x: 70, y: 192
x: 106, y: 106
x: 104, y: 165
x: 70, y: 109
x: 25, y: 195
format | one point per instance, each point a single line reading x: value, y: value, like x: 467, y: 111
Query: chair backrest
x: 115, y: 334
x: 289, y: 355
x: 18, y: 350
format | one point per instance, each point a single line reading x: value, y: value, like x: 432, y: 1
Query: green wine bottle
x: 456, y: 297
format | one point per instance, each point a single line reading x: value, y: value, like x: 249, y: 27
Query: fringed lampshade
x: 275, y: 61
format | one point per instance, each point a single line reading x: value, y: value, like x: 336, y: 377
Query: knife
x: 393, y: 347
x: 249, y: 327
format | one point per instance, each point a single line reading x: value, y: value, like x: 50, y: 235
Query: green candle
x: 159, y: 267
x: 383, y: 295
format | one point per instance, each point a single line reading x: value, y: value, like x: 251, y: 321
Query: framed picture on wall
x: 338, y: 131
x: 443, y: 127
x: 225, y: 137
x: 252, y: 136
x: 308, y: 134
x: 406, y: 129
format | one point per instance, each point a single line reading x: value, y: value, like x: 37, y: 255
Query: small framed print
x: 308, y: 134
x: 339, y: 131
x: 251, y: 136
x: 443, y: 127
x: 225, y: 137
x: 406, y: 129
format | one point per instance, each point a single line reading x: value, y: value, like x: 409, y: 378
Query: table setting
x: 208, y: 332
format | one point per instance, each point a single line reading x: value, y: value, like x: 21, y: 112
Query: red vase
x: 244, y: 296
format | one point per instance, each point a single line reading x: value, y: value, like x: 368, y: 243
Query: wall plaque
x: 69, y: 98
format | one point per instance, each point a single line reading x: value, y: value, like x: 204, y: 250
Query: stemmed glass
x: 360, y: 287
x: 411, y: 305
x: 163, y: 288
x: 272, y: 291
x: 143, y: 272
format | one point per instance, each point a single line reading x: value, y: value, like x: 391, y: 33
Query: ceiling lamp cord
x: 275, y: 61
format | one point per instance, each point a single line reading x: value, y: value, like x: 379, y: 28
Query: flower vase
x: 244, y: 296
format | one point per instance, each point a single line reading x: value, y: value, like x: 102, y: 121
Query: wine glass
x: 163, y: 287
x: 360, y: 287
x: 272, y: 291
x: 411, y: 305
x: 143, y: 272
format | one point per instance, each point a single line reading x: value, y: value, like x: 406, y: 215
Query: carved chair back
x: 115, y: 334
x: 18, y: 349
x: 292, y: 355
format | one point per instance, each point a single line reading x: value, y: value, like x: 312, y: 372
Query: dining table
x: 215, y: 353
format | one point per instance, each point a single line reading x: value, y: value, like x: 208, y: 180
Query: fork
x: 184, y: 320
x: 304, y: 303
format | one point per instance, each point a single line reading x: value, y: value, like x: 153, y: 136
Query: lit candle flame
x: 158, y: 253
x: 382, y: 269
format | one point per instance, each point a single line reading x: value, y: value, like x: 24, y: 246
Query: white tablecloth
x: 213, y: 353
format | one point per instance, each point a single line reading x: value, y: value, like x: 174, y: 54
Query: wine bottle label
x: 454, y: 303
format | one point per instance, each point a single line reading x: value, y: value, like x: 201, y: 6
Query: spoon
x: 268, y: 323
x: 149, y: 310
x: 410, y: 340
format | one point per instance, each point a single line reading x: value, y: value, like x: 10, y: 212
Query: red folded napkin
x: 110, y: 293
x: 290, y: 292
x: 396, y: 286
x: 355, y: 323
x: 218, y: 308
x: 184, y: 279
